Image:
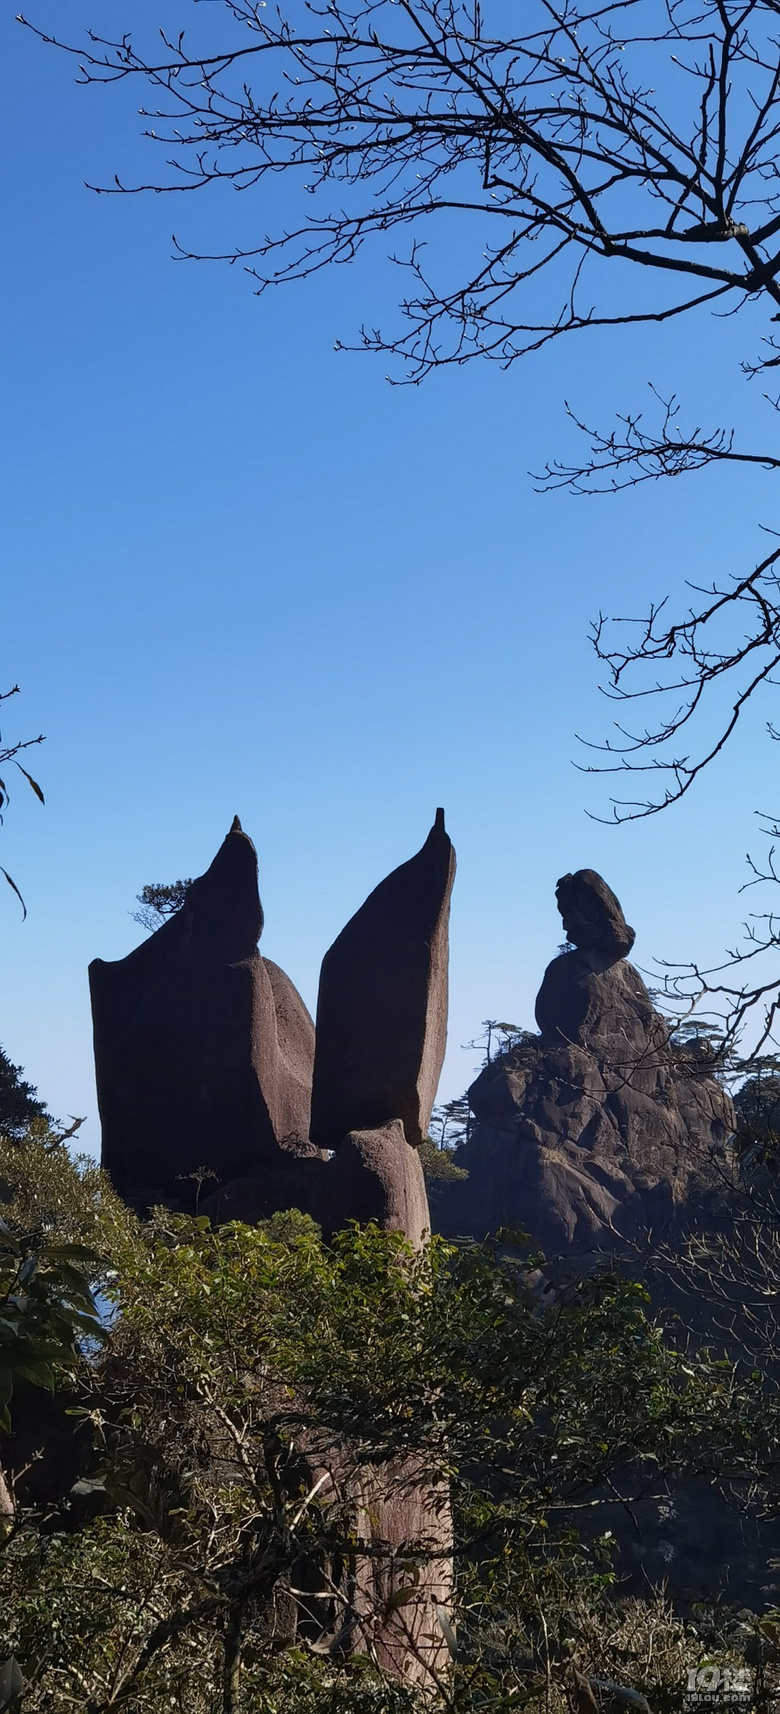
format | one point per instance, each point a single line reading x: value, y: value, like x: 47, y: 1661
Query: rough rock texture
x: 593, y: 1133
x: 381, y: 1037
x: 382, y: 1007
x: 597, y: 1138
x: 378, y: 1591
x: 375, y: 1176
x: 295, y: 1061
x: 203, y: 1051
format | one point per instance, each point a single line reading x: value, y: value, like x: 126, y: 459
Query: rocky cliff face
x: 594, y: 1133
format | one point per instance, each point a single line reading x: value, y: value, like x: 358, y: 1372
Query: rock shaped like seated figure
x: 203, y: 1049
x: 590, y: 997
x: 594, y: 1134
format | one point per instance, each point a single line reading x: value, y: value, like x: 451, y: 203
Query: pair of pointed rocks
x: 208, y: 1063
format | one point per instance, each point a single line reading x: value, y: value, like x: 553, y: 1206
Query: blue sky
x: 243, y: 574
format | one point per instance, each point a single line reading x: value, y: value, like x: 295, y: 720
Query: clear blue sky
x: 242, y: 574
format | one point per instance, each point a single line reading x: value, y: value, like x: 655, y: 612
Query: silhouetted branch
x: 630, y: 453
x: 10, y: 753
x: 598, y: 134
x: 697, y: 667
x: 603, y: 132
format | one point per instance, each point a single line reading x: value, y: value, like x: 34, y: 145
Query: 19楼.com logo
x: 713, y: 1686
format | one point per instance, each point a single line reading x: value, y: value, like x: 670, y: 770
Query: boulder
x: 592, y: 916
x: 382, y: 1006
x: 375, y: 1176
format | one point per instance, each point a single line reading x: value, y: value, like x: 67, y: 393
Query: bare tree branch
x: 641, y: 131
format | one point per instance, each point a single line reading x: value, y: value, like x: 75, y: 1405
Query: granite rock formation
x: 381, y: 1038
x: 378, y: 1177
x: 601, y: 1140
x: 592, y: 917
x: 595, y: 1134
x: 203, y: 1050
x: 373, y: 1175
x: 382, y: 1006
x: 205, y: 1053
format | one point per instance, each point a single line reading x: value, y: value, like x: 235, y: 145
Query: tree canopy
x: 635, y: 134
x: 19, y: 1103
x: 236, y: 1361
x: 159, y: 900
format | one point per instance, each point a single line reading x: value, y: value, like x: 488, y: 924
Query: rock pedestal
x: 378, y: 1177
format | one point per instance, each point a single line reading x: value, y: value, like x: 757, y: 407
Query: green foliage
x: 402, y: 1351
x: 77, y: 1608
x: 438, y: 1163
x: 47, y: 1310
x: 244, y: 1364
x: 67, y: 1198
x: 19, y: 1103
x: 159, y: 900
x: 60, y: 1223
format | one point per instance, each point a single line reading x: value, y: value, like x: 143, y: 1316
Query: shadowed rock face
x: 381, y: 1036
x: 377, y: 1177
x: 592, y: 918
x: 598, y: 1140
x: 382, y: 1008
x: 203, y: 1051
x: 374, y: 1175
x: 593, y: 1135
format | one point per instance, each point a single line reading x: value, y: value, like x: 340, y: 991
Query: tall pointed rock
x: 203, y: 1052
x: 382, y: 1007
